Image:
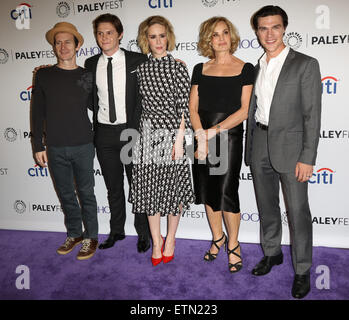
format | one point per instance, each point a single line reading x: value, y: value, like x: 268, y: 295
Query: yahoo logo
x: 247, y: 43
x: 103, y: 209
x: 254, y: 217
x: 85, y: 52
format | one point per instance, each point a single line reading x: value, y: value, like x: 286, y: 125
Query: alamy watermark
x: 23, y: 280
x: 155, y: 146
x: 323, y: 280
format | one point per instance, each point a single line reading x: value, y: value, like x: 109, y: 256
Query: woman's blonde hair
x: 142, y: 38
x: 206, y: 32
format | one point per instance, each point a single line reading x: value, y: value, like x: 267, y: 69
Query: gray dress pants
x: 266, y: 182
x: 72, y: 172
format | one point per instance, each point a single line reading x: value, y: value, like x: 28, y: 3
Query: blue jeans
x: 71, y: 169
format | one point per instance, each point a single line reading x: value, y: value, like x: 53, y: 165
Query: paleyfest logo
x: 10, y: 134
x: 19, y: 206
x: 63, y: 9
x: 212, y: 3
x: 133, y: 46
x: 293, y: 40
x: 22, y: 16
x: 209, y: 3
x: 3, y: 56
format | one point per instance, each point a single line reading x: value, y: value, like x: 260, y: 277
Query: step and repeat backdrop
x: 318, y: 28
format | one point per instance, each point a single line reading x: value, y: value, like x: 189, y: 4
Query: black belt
x: 262, y: 126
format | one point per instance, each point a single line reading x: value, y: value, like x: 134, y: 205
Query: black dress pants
x: 108, y: 147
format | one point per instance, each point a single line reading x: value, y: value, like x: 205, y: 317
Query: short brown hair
x: 142, y: 38
x: 205, y: 36
x: 267, y: 11
x: 111, y: 18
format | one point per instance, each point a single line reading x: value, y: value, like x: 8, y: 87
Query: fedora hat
x: 63, y: 27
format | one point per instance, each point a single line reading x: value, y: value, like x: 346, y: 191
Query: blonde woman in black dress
x: 219, y: 101
x: 161, y: 181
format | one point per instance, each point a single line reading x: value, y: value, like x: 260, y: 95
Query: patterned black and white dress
x: 160, y: 184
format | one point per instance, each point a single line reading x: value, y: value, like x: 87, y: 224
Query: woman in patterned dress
x: 219, y: 101
x: 161, y: 181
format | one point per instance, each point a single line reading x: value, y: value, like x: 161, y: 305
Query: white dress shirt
x: 265, y: 85
x: 119, y: 85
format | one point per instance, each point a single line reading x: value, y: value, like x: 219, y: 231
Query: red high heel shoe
x: 166, y: 259
x: 156, y: 261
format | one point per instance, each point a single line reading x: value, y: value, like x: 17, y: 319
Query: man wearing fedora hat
x: 61, y: 96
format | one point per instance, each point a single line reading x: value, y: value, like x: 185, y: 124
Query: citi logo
x: 38, y: 171
x: 155, y: 4
x: 22, y: 15
x: 26, y: 94
x: 322, y: 176
x: 329, y: 85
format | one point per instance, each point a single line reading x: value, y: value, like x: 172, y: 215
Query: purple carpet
x: 124, y: 274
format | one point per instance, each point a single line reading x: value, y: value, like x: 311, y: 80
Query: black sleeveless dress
x: 216, y: 181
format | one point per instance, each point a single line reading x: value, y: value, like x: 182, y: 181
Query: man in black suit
x: 116, y: 106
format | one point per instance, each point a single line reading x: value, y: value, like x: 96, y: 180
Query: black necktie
x: 112, y: 114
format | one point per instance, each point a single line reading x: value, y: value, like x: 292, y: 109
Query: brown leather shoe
x: 88, y: 249
x: 68, y: 245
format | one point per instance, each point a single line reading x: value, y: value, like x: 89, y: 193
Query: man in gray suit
x: 281, y: 145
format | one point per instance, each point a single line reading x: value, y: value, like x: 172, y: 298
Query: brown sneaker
x: 68, y: 245
x: 88, y: 249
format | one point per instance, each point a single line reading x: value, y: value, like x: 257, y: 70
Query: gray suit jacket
x: 295, y: 114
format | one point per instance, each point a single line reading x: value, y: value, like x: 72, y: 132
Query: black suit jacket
x: 133, y: 98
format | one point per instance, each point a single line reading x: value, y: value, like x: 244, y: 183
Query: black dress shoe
x: 111, y: 241
x: 265, y: 265
x: 301, y: 286
x: 143, y: 244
